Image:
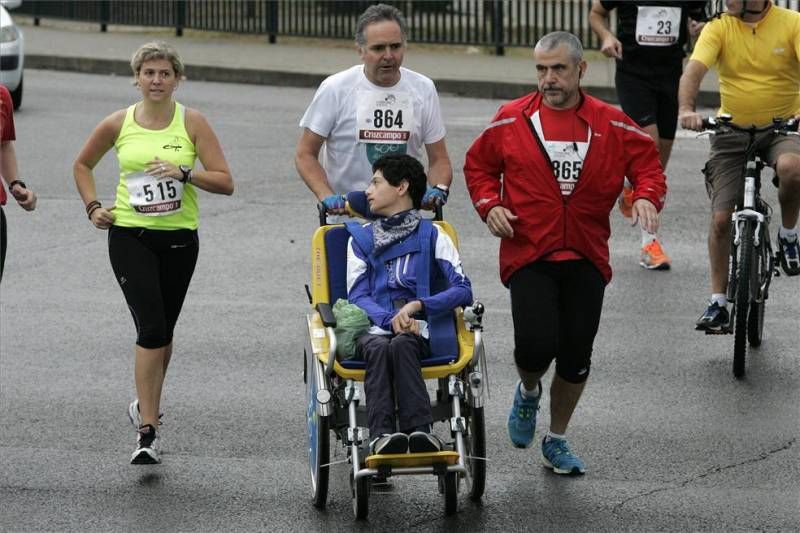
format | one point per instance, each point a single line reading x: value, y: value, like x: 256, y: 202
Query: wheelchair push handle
x: 356, y: 205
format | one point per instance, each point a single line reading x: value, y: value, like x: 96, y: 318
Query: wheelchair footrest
x: 412, y: 459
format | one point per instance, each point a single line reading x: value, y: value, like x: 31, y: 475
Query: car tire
x: 16, y: 95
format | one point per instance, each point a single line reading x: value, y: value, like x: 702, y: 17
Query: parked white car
x: 12, y: 52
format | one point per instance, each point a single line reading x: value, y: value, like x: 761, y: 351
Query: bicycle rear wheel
x: 744, y: 273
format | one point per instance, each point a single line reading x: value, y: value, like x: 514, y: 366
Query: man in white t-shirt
x: 370, y: 110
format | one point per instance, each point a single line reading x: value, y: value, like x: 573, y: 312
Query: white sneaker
x: 133, y: 414
x: 135, y: 417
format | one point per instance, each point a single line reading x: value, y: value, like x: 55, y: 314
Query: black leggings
x: 153, y: 269
x: 556, y: 308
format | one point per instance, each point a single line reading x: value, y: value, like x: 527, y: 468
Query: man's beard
x: 555, y: 95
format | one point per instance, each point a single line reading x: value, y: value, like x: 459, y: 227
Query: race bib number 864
x: 383, y: 117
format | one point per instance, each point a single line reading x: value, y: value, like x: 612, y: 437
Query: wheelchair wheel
x: 450, y: 482
x: 360, y: 491
x: 476, y: 454
x: 318, y: 445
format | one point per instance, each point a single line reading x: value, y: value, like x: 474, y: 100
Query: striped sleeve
x: 459, y: 290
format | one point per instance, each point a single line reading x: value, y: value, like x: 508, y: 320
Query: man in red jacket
x: 544, y: 176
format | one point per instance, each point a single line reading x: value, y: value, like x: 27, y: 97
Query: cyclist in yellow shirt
x: 755, y: 47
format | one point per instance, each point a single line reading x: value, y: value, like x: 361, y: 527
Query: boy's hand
x: 403, y: 321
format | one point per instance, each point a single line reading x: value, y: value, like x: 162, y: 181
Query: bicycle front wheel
x: 744, y: 273
x: 762, y: 268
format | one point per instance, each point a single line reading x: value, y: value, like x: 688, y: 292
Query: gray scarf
x: 387, y: 231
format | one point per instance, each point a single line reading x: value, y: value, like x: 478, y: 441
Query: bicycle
x: 752, y: 262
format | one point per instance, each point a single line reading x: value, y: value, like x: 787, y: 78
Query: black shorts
x: 650, y: 95
x: 153, y: 269
x: 556, y: 308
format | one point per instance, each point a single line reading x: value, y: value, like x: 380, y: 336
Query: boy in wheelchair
x: 395, y: 265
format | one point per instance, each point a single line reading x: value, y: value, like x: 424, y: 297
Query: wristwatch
x: 444, y: 188
x: 187, y: 174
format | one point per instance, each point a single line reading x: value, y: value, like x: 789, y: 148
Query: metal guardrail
x: 491, y: 23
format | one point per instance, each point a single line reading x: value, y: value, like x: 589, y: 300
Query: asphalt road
x: 671, y: 440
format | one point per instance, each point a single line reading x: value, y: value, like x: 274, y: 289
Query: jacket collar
x: 583, y: 110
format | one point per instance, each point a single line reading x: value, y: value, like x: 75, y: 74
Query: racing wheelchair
x: 334, y: 388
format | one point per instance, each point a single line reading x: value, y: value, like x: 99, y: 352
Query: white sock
x: 787, y: 234
x: 647, y: 237
x: 720, y: 298
x: 535, y: 393
x: 551, y: 435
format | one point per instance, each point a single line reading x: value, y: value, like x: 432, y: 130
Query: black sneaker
x: 422, y: 442
x: 715, y: 317
x: 146, y: 452
x: 789, y: 255
x: 387, y: 444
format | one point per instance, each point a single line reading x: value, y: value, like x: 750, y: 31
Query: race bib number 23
x: 658, y: 25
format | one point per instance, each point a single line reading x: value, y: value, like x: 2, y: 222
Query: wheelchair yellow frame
x: 320, y: 294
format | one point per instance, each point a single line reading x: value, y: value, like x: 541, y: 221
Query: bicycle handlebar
x: 723, y: 123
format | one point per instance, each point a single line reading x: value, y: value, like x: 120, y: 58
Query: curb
x: 466, y: 88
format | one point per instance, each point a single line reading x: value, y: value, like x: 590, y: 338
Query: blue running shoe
x: 557, y: 455
x: 789, y: 255
x: 715, y: 317
x: 522, y: 418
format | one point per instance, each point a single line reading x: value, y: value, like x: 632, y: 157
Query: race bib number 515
x: 154, y: 197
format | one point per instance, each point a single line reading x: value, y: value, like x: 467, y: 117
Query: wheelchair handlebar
x: 356, y: 206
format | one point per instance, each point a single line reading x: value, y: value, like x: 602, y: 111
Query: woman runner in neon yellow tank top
x: 152, y: 225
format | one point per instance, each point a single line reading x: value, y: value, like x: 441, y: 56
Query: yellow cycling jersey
x: 147, y: 202
x: 758, y: 64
